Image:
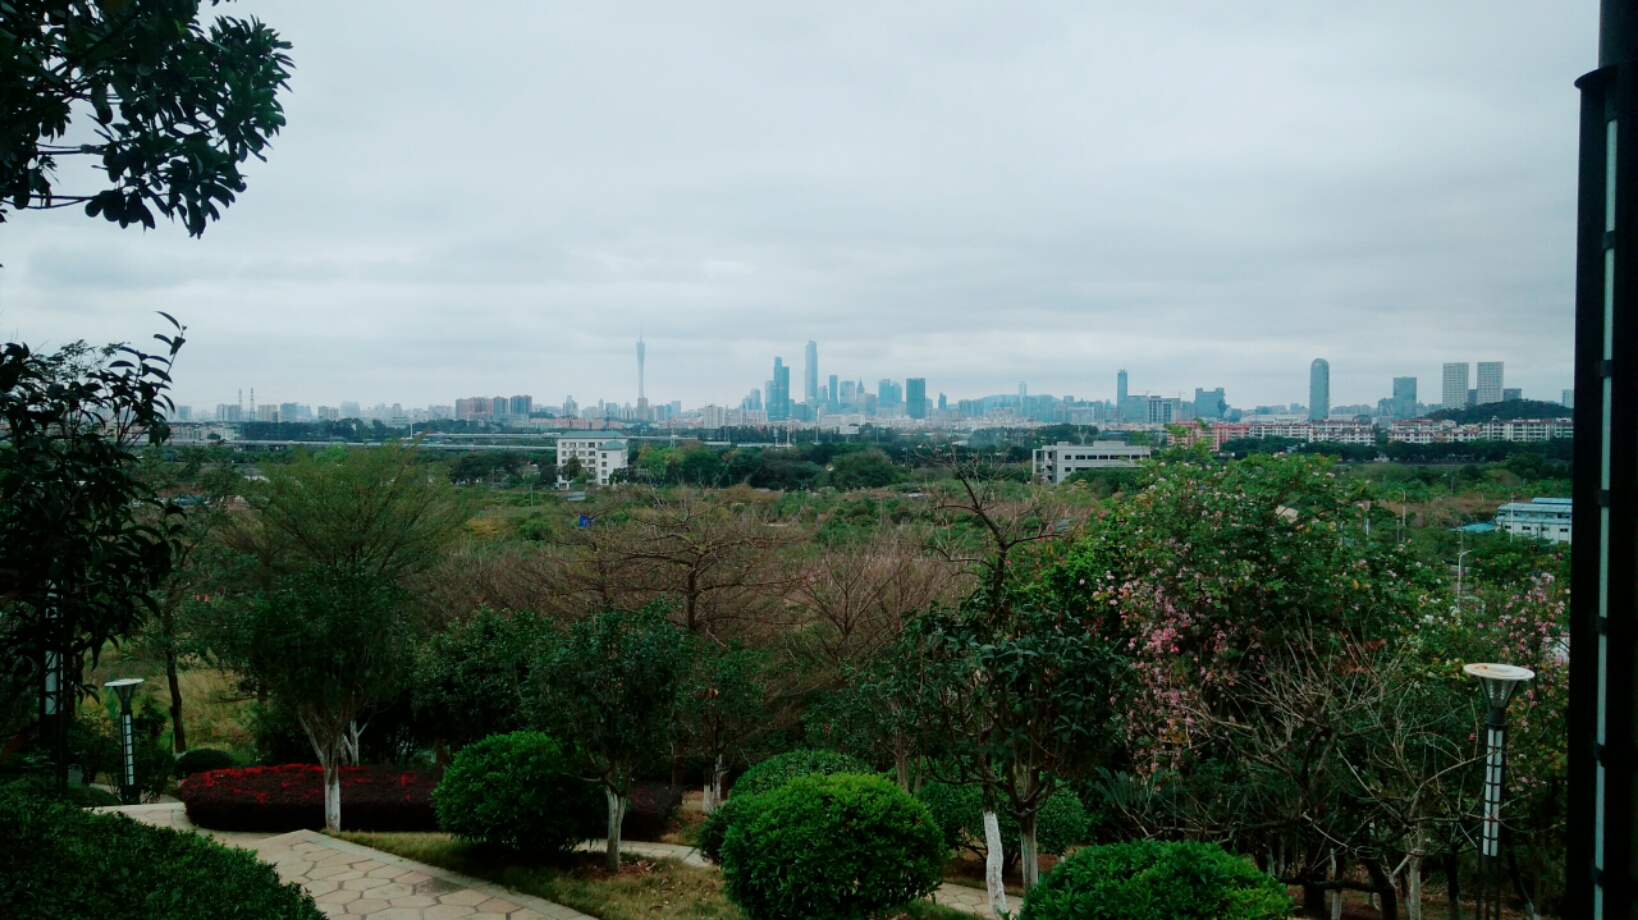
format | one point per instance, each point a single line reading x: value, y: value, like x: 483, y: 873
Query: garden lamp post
x: 125, y: 688
x: 1498, y: 681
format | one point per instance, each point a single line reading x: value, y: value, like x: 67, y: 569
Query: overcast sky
x: 495, y: 197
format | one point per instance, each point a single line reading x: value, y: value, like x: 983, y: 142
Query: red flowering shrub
x: 291, y: 797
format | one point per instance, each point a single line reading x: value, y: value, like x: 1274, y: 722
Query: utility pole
x: 1599, y: 857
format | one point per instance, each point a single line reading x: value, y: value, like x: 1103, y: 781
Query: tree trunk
x: 1384, y: 889
x: 1519, y: 886
x: 179, y: 738
x: 332, y: 794
x: 713, y: 786
x: 617, y: 816
x: 1028, y: 858
x: 992, y: 863
x: 901, y: 766
x: 1413, y: 889
x: 1453, y: 884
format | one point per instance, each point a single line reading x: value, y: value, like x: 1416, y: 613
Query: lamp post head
x: 124, y: 688
x: 1499, y: 681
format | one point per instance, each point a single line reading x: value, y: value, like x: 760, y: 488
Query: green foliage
x: 839, y: 847
x: 175, y: 109
x: 958, y: 809
x: 780, y: 769
x: 864, y: 469
x: 57, y: 861
x: 715, y: 829
x: 199, y: 760
x: 514, y: 791
x: 1507, y: 410
x: 84, y: 540
x: 611, y: 688
x: 469, y: 680
x: 1151, y: 880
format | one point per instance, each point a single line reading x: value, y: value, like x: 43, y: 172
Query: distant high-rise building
x: 1568, y: 399
x: 571, y: 409
x: 915, y: 397
x: 1023, y: 390
x: 1209, y: 403
x: 351, y: 410
x: 521, y: 405
x: 850, y: 394
x: 1490, y: 383
x: 1319, y: 390
x: 1512, y: 394
x: 642, y: 352
x: 888, y: 394
x: 1453, y: 395
x: 779, y: 392
x: 810, y: 374
x: 1120, y: 388
x: 943, y: 402
x: 1404, y: 397
x: 833, y: 396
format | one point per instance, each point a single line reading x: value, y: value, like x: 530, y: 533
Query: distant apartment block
x: 1542, y: 518
x: 1454, y: 392
x: 1319, y: 390
x: 599, y: 457
x: 1336, y: 432
x: 1426, y: 431
x: 1404, y: 397
x: 1568, y: 399
x: 1490, y: 383
x: 713, y: 417
x: 1058, y: 462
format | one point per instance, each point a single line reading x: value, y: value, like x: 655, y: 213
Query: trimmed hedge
x: 780, y: 769
x: 837, y: 847
x: 291, y: 797
x: 1152, y: 880
x: 767, y: 776
x: 60, y: 863
x: 200, y: 760
x: 514, y: 791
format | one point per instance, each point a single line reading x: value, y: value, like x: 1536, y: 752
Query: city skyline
x: 1372, y: 184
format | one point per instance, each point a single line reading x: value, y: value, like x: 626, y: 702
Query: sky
x: 498, y: 197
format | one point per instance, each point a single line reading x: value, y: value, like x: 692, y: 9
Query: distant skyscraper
x: 915, y: 397
x: 1404, y: 397
x: 1568, y: 399
x: 1512, y: 394
x: 810, y: 374
x: 1319, y: 390
x: 1453, y: 395
x: 779, y: 394
x: 641, y: 353
x: 833, y: 396
x: 1490, y: 382
x: 1209, y: 403
x: 1120, y: 388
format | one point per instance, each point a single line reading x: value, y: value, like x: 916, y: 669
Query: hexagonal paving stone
x: 337, y: 897
x: 447, y: 911
x: 364, y: 884
x: 414, y: 900
x: 466, y: 897
x: 367, y: 906
x: 498, y: 906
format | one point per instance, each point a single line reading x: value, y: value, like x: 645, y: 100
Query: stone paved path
x: 352, y: 881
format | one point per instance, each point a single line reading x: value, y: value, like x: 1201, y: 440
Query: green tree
x: 470, y: 679
x: 864, y: 469
x: 84, y: 540
x: 610, y: 688
x: 721, y: 709
x: 176, y: 105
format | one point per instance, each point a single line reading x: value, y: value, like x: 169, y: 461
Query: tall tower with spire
x: 642, y: 397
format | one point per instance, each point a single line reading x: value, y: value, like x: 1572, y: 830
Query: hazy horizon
x: 498, y: 202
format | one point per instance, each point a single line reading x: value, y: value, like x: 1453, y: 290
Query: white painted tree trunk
x: 617, y: 814
x: 1413, y: 889
x: 1030, y: 868
x: 1336, y: 894
x: 713, y: 787
x: 992, y: 863
x: 332, y: 795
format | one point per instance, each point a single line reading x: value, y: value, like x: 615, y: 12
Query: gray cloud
x: 1205, y: 193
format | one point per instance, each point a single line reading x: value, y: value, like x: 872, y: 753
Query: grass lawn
x: 645, y: 889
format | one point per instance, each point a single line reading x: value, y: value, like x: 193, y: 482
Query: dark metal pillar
x: 1604, y: 672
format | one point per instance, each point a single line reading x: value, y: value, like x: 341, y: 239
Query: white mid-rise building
x: 1058, y: 462
x: 599, y: 457
x: 1542, y: 518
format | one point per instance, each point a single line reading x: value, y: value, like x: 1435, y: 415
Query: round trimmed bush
x: 715, y: 829
x: 513, y: 791
x: 835, y: 847
x: 200, y: 760
x: 1152, y: 880
x: 780, y: 769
